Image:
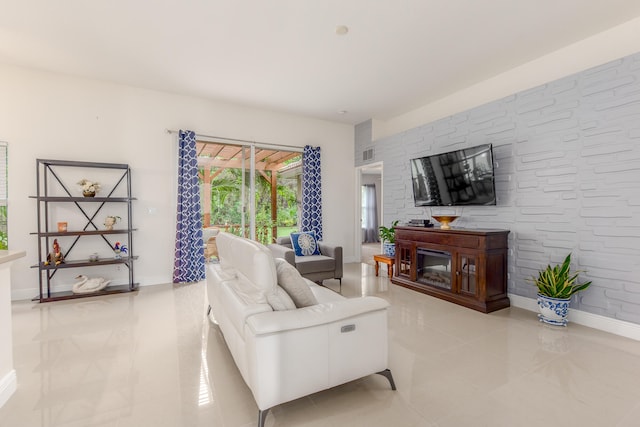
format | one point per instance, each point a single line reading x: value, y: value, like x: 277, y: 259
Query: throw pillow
x: 305, y: 243
x: 294, y: 284
x: 280, y: 300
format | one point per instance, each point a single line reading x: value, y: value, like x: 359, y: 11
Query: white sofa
x: 286, y: 354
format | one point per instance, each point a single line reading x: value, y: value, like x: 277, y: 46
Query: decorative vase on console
x: 445, y: 216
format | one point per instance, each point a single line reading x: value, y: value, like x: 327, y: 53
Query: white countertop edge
x: 7, y: 256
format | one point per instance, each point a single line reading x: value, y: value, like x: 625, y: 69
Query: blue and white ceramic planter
x: 389, y: 249
x: 553, y: 310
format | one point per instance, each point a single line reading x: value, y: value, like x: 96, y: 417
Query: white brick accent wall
x: 567, y: 163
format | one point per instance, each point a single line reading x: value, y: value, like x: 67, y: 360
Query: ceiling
x: 285, y: 55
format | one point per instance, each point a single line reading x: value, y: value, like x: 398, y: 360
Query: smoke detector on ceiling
x: 342, y: 30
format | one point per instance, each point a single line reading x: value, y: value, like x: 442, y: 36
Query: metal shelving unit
x: 53, y: 190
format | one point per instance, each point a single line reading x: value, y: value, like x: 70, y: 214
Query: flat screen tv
x: 457, y: 178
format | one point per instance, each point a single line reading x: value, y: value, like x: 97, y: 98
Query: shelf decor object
x: 445, y: 220
x: 89, y: 188
x: 110, y: 221
x: 82, y: 229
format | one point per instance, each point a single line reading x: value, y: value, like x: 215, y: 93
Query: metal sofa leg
x: 387, y: 374
x: 261, y: 416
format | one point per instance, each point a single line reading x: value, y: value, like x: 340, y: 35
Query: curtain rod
x: 256, y: 143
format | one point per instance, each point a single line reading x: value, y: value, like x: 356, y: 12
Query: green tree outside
x: 226, y: 203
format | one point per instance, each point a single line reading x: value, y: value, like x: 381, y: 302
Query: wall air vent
x: 367, y: 154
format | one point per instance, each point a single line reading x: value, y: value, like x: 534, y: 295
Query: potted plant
x: 89, y: 188
x: 388, y: 236
x: 556, y: 285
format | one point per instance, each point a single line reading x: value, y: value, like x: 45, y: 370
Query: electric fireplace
x: 434, y: 268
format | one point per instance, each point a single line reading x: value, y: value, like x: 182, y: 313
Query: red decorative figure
x: 56, y: 256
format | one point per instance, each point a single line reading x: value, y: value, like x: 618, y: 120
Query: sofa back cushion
x: 249, y: 260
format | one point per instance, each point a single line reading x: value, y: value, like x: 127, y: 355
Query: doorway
x: 369, y: 181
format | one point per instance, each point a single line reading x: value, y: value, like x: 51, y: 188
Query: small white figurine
x: 110, y: 221
x: 87, y: 285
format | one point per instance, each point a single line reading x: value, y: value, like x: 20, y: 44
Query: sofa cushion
x: 305, y: 243
x: 315, y: 264
x: 294, y: 284
x: 280, y: 300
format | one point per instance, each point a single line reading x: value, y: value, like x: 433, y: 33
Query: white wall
x: 7, y: 372
x: 45, y: 115
x: 609, y: 45
x: 567, y: 167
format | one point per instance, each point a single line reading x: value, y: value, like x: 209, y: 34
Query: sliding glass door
x: 248, y: 190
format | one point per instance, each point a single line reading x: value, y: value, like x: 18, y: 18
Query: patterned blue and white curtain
x: 311, y: 191
x: 188, y: 263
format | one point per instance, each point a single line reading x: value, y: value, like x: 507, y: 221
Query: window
x: 4, y: 242
x: 225, y: 175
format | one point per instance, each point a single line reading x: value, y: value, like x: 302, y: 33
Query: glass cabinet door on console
x: 466, y: 274
x: 404, y: 260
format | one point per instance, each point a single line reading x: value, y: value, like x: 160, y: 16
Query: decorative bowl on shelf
x: 445, y: 220
x: 89, y: 188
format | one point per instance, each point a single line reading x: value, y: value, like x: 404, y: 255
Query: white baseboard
x: 28, y: 294
x: 23, y: 294
x: 8, y: 386
x: 607, y: 324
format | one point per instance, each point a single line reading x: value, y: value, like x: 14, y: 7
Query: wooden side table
x: 385, y: 259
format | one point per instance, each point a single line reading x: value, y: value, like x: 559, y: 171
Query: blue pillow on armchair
x: 305, y: 243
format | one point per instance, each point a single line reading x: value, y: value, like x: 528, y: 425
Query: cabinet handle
x: 457, y: 273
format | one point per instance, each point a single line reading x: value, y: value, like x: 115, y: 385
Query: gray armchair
x: 316, y: 268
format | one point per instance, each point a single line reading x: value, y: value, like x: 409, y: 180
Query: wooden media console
x: 466, y: 267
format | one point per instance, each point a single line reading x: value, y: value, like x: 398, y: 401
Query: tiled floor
x: 368, y: 250
x: 153, y: 359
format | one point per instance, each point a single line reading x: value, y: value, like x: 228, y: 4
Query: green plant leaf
x: 558, y: 281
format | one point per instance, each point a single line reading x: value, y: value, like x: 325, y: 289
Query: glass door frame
x: 248, y: 155
x: 251, y: 197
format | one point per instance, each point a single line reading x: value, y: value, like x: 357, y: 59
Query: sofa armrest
x: 319, y: 314
x: 334, y: 252
x: 284, y: 241
x: 283, y: 252
x: 295, y: 353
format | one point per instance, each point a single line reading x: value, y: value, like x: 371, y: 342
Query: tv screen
x: 457, y: 178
